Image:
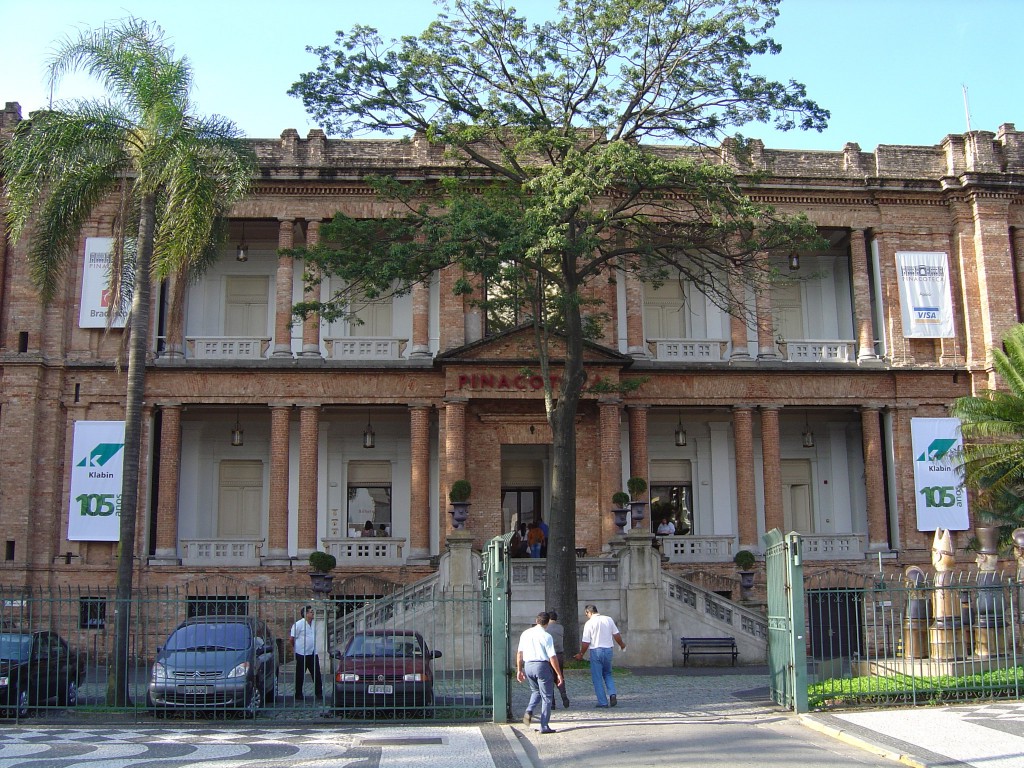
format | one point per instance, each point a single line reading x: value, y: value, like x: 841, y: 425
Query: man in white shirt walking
x: 303, y: 640
x: 598, y: 635
x: 537, y: 663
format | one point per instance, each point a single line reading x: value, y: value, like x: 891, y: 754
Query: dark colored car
x: 215, y: 663
x: 37, y: 668
x: 384, y: 671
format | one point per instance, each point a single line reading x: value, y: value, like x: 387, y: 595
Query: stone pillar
x: 309, y: 443
x: 277, y: 533
x: 635, y: 346
x: 766, y: 349
x: 455, y: 450
x: 611, y: 465
x: 645, y: 631
x: 311, y: 325
x: 862, y: 318
x: 771, y: 468
x: 420, y: 320
x: 874, y: 477
x: 746, y: 504
x: 283, y: 302
x: 738, y: 319
x: 899, y: 346
x: 1017, y: 242
x: 638, y: 462
x: 167, y: 504
x: 174, y: 331
x: 419, y: 495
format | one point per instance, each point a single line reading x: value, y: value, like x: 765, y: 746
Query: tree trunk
x: 560, y: 589
x: 118, y: 692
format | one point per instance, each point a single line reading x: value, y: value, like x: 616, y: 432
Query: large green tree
x: 992, y: 427
x: 174, y: 176
x: 548, y: 188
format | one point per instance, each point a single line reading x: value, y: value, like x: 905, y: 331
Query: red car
x: 384, y: 671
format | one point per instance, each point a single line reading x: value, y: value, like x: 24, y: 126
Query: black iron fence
x: 917, y: 638
x: 203, y: 651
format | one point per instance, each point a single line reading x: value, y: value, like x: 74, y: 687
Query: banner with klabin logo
x: 925, y: 298
x: 96, y: 468
x: 941, y: 497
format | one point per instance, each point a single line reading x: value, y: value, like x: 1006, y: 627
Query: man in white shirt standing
x: 598, y: 635
x: 535, y: 663
x: 303, y: 640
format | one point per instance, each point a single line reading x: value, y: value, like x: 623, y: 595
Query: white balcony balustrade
x: 688, y: 350
x: 226, y: 347
x: 698, y: 549
x: 365, y: 348
x: 210, y: 553
x: 376, y: 550
x: 818, y: 350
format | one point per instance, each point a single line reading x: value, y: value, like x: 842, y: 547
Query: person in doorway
x: 303, y: 641
x: 666, y: 528
x: 599, y: 633
x: 368, y: 529
x: 544, y: 544
x: 537, y: 664
x: 382, y: 531
x: 534, y: 539
x: 557, y: 632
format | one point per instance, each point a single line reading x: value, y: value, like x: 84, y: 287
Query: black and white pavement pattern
x: 248, y: 746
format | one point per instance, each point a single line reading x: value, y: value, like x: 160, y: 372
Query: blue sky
x: 890, y: 71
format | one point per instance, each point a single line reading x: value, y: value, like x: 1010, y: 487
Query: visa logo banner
x: 925, y: 300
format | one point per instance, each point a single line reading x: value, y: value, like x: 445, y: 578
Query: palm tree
x: 174, y: 176
x: 992, y: 426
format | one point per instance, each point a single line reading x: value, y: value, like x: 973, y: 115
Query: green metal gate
x: 497, y: 591
x: 787, y: 651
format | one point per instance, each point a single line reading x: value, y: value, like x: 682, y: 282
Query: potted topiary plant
x: 459, y: 497
x: 744, y: 560
x: 620, y: 506
x: 321, y: 564
x: 637, y: 487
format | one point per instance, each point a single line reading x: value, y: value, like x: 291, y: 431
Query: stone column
x: 862, y: 318
x: 746, y: 504
x: 167, y: 504
x: 277, y: 533
x: 766, y: 349
x: 647, y: 634
x: 455, y: 450
x: 311, y: 325
x: 309, y: 444
x: 635, y: 346
x: 899, y: 346
x: 611, y: 466
x: 874, y: 477
x: 638, y: 462
x: 419, y: 495
x: 283, y: 302
x: 420, y: 320
x: 771, y: 468
x: 174, y: 331
x: 738, y: 319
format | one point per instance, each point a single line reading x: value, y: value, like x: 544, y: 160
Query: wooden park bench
x: 711, y: 645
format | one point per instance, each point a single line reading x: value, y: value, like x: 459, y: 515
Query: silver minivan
x: 215, y: 663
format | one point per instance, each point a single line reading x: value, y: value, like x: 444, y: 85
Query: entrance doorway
x: 520, y: 505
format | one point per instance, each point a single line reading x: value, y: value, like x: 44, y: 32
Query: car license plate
x: 380, y: 689
x: 196, y: 690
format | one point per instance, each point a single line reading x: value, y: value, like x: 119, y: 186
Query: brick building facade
x: 798, y: 420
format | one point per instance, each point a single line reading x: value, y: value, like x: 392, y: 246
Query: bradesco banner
x: 95, y: 304
x: 97, y: 458
x: 925, y: 299
x: 941, y: 498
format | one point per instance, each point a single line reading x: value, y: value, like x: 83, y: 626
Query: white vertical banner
x: 925, y: 297
x: 941, y: 497
x: 95, y: 304
x: 96, y: 469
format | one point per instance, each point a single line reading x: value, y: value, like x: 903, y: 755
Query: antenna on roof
x: 967, y: 108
